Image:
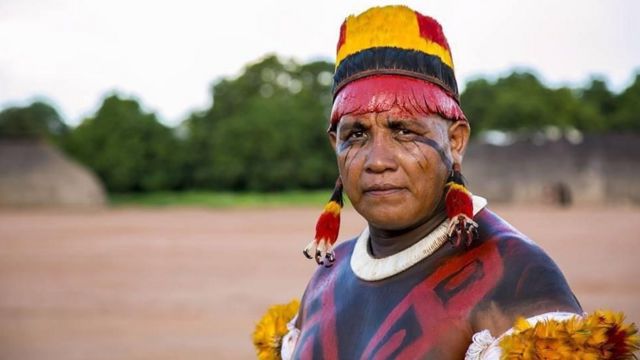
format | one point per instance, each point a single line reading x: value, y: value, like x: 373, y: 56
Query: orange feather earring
x: 327, y: 229
x: 459, y: 205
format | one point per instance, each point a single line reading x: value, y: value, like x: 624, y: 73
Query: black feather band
x: 396, y: 61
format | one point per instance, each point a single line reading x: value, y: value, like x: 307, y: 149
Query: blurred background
x: 162, y: 164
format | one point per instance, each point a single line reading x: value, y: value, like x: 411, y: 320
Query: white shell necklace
x: 369, y: 268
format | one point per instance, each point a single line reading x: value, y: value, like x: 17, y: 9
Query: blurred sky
x: 168, y: 53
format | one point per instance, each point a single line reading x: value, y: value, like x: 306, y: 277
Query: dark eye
x: 356, y: 134
x: 405, y: 132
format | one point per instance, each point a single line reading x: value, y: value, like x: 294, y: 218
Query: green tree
x: 596, y: 104
x: 476, y: 101
x: 38, y: 120
x: 266, y: 129
x: 626, y: 115
x: 598, y: 95
x: 128, y: 148
x: 515, y: 102
x: 520, y: 102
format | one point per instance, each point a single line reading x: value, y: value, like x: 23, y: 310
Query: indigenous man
x: 434, y: 265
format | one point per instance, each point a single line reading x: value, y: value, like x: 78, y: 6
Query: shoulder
x: 323, y: 281
x: 343, y: 256
x: 324, y: 278
x: 531, y: 283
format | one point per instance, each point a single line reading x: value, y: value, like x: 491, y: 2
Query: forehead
x: 392, y: 117
x: 381, y: 93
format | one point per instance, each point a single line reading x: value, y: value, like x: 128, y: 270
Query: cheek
x: 421, y: 163
x: 424, y: 167
x: 415, y: 155
x: 350, y: 165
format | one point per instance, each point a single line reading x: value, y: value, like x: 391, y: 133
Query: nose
x: 379, y: 157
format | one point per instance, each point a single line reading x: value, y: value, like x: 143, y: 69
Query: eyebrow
x: 396, y: 123
x: 351, y: 125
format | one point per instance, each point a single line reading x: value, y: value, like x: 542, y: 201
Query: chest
x: 408, y: 316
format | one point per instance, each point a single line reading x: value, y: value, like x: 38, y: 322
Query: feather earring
x: 459, y: 205
x: 327, y: 229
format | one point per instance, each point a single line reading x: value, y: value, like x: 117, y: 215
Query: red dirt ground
x: 191, y: 283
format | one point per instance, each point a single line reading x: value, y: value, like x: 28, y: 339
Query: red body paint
x: 446, y: 296
x: 321, y: 320
x: 430, y: 317
x: 380, y: 93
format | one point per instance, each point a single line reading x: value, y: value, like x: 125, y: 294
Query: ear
x: 332, y: 138
x: 459, y: 133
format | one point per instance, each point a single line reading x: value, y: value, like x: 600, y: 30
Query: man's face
x: 393, y: 165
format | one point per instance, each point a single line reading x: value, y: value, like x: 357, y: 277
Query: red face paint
x: 380, y: 93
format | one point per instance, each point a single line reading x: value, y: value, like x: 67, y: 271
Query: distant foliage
x: 266, y: 128
x: 38, y: 120
x: 626, y: 113
x: 128, y: 149
x: 520, y: 102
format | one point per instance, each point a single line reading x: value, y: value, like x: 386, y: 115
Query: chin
x: 389, y: 220
x: 389, y: 225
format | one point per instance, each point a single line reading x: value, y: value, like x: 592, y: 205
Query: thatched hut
x: 35, y: 173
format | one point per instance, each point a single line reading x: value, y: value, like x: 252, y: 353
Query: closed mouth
x: 382, y: 189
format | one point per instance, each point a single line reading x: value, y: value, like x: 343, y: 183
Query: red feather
x: 458, y: 201
x: 328, y: 226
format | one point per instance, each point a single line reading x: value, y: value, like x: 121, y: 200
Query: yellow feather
x: 332, y: 207
x: 388, y: 26
x: 575, y: 338
x: 267, y: 336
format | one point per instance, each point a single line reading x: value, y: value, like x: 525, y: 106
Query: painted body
x: 431, y: 310
x: 398, y: 142
x: 400, y: 135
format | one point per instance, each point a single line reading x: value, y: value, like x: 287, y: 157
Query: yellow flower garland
x: 600, y: 335
x: 267, y: 336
